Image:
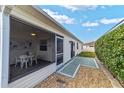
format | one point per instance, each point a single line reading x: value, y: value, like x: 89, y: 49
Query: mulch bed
x: 85, y: 78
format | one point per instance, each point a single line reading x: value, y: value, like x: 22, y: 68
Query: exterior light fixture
x: 33, y: 34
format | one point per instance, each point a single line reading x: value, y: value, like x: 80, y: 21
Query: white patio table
x: 24, y: 59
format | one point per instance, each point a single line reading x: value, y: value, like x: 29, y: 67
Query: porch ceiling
x: 20, y: 25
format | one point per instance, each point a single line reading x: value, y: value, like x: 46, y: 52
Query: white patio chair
x: 33, y: 58
x: 18, y: 60
x: 23, y: 59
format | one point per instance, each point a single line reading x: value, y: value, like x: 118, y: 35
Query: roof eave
x: 53, y: 20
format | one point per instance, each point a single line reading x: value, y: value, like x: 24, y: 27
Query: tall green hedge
x: 110, y: 50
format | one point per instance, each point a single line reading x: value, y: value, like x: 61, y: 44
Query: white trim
x: 60, y: 65
x: 4, y: 45
x: 60, y: 54
x: 96, y: 63
x: 76, y: 71
x: 55, y: 50
x: 66, y: 74
x: 1, y: 47
x: 88, y: 66
x: 59, y: 37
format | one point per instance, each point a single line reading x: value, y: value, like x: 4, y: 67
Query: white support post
x: 55, y: 50
x: 4, y: 46
x: 0, y: 46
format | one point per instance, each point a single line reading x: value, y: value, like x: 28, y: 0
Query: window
x: 77, y: 45
x: 43, y: 45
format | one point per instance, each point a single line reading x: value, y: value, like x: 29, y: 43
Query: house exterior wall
x: 88, y: 49
x: 48, y: 55
x: 67, y: 48
x: 30, y: 15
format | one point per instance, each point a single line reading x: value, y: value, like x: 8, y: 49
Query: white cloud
x: 104, y: 21
x: 103, y: 7
x: 89, y: 29
x: 90, y: 24
x: 60, y: 18
x: 80, y: 7
x: 50, y: 12
x: 70, y: 7
x: 110, y: 21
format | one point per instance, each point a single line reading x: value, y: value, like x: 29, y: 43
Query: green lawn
x: 87, y: 54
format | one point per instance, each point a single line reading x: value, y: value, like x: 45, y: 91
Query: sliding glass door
x: 59, y: 50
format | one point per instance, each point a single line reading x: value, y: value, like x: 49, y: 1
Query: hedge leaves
x: 110, y: 50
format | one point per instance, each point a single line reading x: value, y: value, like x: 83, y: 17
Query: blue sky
x: 88, y: 23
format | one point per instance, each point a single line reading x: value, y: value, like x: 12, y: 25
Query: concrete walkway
x: 72, y: 67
